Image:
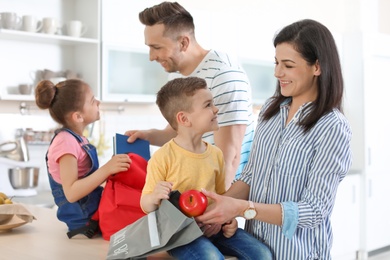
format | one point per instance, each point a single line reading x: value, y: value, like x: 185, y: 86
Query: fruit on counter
x: 4, y: 199
x: 193, y: 203
x: 2, y: 195
x: 8, y: 201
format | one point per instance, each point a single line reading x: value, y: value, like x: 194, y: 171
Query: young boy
x: 187, y: 162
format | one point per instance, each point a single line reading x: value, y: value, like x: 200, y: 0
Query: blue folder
x: 139, y: 146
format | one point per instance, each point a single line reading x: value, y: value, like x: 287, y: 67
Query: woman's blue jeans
x: 242, y: 245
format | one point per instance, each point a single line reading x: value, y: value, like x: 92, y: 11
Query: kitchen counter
x: 45, y: 238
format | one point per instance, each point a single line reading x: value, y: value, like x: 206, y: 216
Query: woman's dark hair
x: 315, y: 43
x: 61, y: 99
x: 172, y: 15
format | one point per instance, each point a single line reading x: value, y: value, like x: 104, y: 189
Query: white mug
x: 50, y: 25
x: 9, y: 20
x: 25, y: 89
x: 31, y: 24
x: 75, y: 28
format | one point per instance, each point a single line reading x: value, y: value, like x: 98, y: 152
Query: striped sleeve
x: 330, y: 164
x: 232, y: 96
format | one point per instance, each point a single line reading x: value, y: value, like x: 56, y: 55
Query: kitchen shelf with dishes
x: 51, y: 35
x: 33, y: 37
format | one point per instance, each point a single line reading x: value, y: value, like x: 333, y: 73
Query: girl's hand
x: 118, y: 163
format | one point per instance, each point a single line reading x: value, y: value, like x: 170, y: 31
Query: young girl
x: 72, y: 162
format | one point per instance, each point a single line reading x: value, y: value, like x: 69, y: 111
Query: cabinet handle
x: 369, y: 156
x: 369, y: 188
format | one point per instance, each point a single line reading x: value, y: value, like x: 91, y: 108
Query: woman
x: 301, y: 150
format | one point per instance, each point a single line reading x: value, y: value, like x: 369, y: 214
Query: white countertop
x: 45, y: 238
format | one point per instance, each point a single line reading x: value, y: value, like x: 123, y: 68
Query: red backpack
x: 120, y: 202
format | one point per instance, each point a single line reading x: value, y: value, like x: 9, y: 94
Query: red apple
x: 193, y: 203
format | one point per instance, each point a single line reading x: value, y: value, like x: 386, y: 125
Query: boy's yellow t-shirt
x: 186, y: 170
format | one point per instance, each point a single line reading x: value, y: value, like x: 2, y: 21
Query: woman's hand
x: 222, y: 210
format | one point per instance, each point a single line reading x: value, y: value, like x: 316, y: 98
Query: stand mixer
x: 14, y: 154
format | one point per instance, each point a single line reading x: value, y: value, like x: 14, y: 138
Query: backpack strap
x: 89, y: 230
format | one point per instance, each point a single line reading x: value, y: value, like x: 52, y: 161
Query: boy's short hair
x: 175, y: 95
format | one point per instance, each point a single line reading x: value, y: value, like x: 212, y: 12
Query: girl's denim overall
x: 76, y: 214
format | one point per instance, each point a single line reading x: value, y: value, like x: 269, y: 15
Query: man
x: 170, y: 35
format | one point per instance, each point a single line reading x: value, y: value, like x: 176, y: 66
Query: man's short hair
x: 172, y: 15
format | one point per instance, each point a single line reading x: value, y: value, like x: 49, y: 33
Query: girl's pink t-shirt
x: 66, y: 143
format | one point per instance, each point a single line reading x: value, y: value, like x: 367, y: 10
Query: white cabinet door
x: 378, y: 211
x: 377, y: 92
x: 377, y: 139
x: 129, y: 75
x: 346, y: 219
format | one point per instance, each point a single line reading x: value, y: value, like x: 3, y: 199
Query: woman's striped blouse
x: 301, y: 172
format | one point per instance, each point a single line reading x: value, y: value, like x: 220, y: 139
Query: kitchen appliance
x: 23, y: 178
x: 14, y: 154
x: 15, y: 150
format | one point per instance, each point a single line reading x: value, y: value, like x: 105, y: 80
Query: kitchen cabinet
x: 376, y: 67
x: 262, y: 79
x: 24, y: 53
x: 129, y: 76
x: 377, y: 211
x: 346, y: 219
x: 377, y: 141
x: 365, y: 62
